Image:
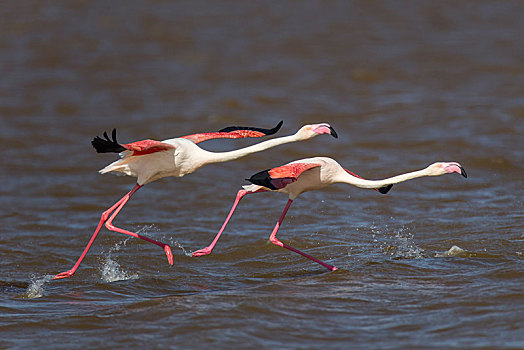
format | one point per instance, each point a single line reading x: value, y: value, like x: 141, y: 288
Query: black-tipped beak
x: 463, y: 172
x: 333, y: 132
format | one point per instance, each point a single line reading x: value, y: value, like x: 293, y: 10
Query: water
x: 437, y: 262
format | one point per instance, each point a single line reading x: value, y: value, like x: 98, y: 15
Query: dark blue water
x: 437, y: 262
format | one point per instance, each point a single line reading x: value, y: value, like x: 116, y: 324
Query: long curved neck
x: 217, y: 157
x: 363, y: 183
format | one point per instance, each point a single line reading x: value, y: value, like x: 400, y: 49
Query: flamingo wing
x: 281, y: 176
x: 147, y: 146
x: 233, y: 132
x: 106, y: 145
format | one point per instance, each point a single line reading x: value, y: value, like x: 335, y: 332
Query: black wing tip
x: 275, y: 129
x: 262, y: 178
x: 107, y: 145
x: 333, y: 132
x: 385, y: 189
x: 264, y: 131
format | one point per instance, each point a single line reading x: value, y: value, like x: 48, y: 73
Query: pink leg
x: 111, y: 227
x: 209, y: 249
x: 105, y: 216
x: 273, y: 239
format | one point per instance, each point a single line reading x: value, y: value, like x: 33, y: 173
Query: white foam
x: 453, y: 251
x: 36, y: 287
x: 111, y: 270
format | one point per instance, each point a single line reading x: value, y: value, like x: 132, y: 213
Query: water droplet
x: 36, y: 287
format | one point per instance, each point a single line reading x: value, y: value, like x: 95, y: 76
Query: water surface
x: 435, y: 263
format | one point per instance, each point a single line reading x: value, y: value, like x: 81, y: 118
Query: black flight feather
x: 264, y: 131
x: 385, y: 189
x: 107, y: 145
x: 262, y: 178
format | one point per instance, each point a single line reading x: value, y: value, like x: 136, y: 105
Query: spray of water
x: 400, y: 244
x: 453, y: 251
x: 36, y: 286
x: 178, y: 245
x: 110, y: 269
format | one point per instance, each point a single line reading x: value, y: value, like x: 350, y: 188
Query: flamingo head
x: 442, y: 168
x: 309, y: 131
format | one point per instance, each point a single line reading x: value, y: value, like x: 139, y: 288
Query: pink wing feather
x: 105, y: 145
x: 233, y: 132
x: 291, y: 170
x: 281, y: 176
x: 238, y: 134
x: 147, y: 146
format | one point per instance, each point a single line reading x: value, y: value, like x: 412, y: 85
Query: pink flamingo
x: 150, y: 160
x: 312, y: 174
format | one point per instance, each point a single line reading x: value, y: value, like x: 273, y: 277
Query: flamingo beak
x: 333, y: 132
x: 455, y: 168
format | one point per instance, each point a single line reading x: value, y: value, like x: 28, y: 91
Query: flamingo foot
x: 65, y: 274
x: 167, y: 249
x: 332, y: 268
x: 203, y: 251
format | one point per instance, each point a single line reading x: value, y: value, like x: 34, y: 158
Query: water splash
x: 36, y: 286
x: 453, y: 251
x: 169, y: 239
x: 399, y: 245
x: 111, y: 270
x: 178, y: 245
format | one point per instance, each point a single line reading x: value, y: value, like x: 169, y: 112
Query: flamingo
x: 150, y: 160
x: 316, y: 173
